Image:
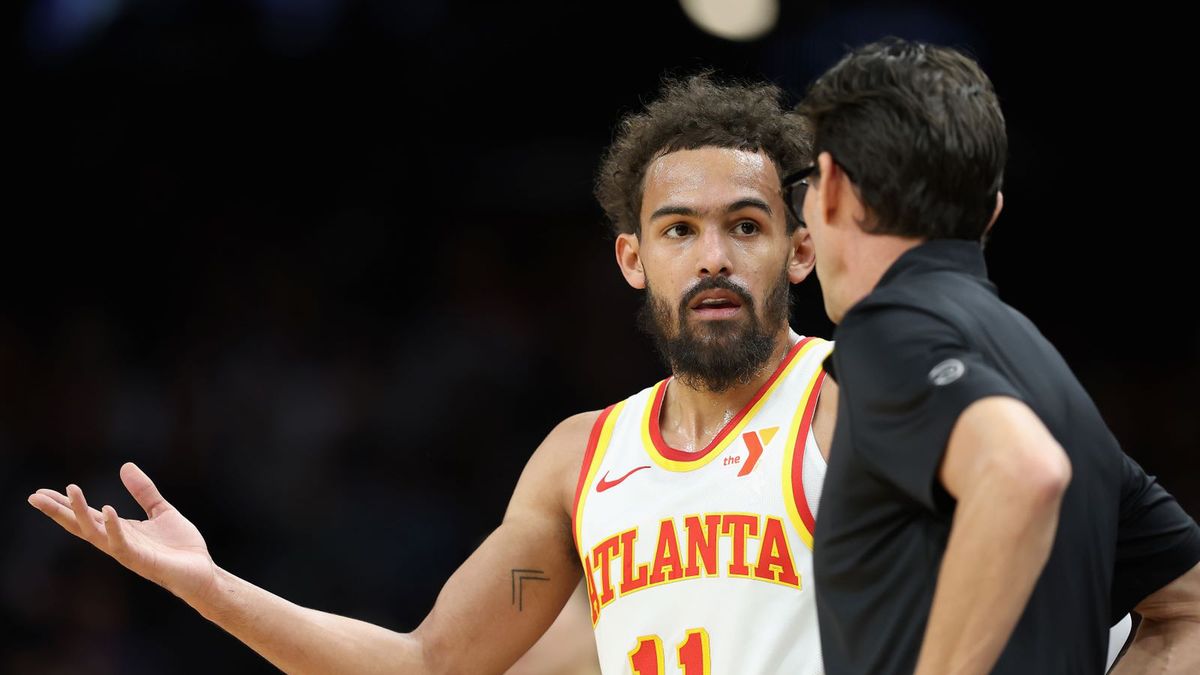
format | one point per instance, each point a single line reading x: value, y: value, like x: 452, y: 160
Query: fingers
x: 88, y: 528
x: 66, y: 511
x: 116, y: 534
x: 143, y: 490
x: 65, y: 501
x: 58, y: 512
x: 55, y: 495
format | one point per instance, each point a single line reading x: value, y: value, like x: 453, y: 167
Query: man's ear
x: 836, y: 196
x: 996, y: 213
x: 803, y: 256
x: 629, y: 259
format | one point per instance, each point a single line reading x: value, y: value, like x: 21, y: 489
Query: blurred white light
x: 733, y: 19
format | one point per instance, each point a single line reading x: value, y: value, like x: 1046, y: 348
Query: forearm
x: 300, y: 640
x: 982, y: 586
x: 1163, y: 648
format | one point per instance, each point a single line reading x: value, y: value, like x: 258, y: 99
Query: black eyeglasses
x: 794, y: 188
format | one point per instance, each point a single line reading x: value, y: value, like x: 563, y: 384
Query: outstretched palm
x: 165, y: 548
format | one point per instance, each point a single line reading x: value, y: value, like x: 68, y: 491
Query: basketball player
x: 688, y: 507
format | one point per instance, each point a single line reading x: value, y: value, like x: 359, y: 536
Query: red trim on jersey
x: 681, y: 456
x: 798, y: 495
x: 593, y: 441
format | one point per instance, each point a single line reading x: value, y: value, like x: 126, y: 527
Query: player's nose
x: 713, y: 254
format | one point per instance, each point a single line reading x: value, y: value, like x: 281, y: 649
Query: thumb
x: 143, y: 490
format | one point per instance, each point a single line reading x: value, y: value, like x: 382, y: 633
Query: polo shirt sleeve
x: 1156, y: 540
x: 906, y: 375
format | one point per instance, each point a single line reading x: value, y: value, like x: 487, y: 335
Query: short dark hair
x: 696, y: 112
x: 918, y: 130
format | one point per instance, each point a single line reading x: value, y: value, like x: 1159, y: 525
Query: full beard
x: 715, y: 356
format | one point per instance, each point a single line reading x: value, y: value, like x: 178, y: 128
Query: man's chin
x: 701, y: 384
x: 718, y: 329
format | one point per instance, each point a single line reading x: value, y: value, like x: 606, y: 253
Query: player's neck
x: 692, y: 417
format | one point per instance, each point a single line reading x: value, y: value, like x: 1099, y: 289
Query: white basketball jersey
x: 700, y: 563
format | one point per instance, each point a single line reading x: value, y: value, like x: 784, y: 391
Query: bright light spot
x: 733, y: 19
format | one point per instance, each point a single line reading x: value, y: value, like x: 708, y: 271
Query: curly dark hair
x: 695, y: 112
x: 918, y: 130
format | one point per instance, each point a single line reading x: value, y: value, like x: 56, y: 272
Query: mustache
x: 714, y: 284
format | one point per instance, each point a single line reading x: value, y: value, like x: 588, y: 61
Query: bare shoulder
x: 558, y: 458
x: 829, y: 387
x: 825, y: 416
x: 568, y: 442
x: 571, y: 435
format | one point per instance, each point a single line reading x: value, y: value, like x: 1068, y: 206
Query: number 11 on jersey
x: 647, y: 657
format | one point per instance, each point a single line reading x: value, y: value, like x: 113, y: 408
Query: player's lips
x: 716, y: 304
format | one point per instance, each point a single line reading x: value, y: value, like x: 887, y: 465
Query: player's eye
x: 676, y: 231
x: 746, y: 227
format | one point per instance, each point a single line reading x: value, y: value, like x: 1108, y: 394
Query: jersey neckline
x: 678, y: 460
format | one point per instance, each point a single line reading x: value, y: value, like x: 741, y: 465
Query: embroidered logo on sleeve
x: 947, y: 371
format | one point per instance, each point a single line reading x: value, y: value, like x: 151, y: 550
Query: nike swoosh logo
x: 604, y: 484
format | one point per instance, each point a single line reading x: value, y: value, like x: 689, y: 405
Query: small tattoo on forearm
x: 519, y: 577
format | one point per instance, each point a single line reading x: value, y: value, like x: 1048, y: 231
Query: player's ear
x: 629, y: 259
x: 803, y: 256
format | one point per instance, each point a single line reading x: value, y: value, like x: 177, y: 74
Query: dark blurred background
x: 330, y: 269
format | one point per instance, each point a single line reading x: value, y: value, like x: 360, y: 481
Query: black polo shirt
x: 929, y: 340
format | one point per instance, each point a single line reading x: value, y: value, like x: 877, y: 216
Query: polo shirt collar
x: 958, y: 255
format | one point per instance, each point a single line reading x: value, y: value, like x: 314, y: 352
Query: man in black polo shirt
x: 978, y: 516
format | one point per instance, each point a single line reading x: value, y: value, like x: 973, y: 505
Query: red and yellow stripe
x: 598, y: 442
x: 793, y: 461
